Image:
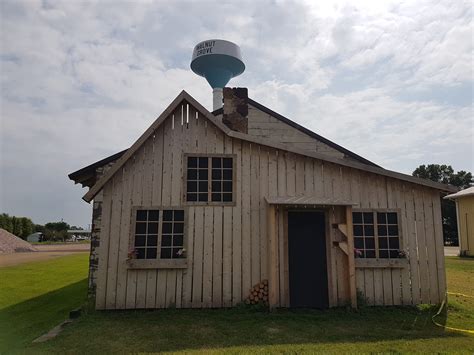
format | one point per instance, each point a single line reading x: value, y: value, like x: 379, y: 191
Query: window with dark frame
x: 219, y: 170
x: 156, y: 229
x: 376, y: 234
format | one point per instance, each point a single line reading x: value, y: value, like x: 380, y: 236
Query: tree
x: 445, y: 174
x: 56, y: 230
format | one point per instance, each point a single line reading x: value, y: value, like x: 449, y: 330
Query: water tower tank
x: 218, y: 61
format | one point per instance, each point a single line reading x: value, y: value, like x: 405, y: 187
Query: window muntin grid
x: 376, y: 234
x: 197, y: 184
x: 364, y: 234
x: 214, y: 186
x: 172, y: 238
x: 388, y: 238
x: 146, y: 234
x: 159, y: 234
x: 222, y: 175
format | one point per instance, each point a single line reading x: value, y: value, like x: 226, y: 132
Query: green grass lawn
x: 390, y: 329
x: 34, y: 297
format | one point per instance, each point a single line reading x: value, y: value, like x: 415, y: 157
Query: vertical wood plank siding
x: 228, y: 249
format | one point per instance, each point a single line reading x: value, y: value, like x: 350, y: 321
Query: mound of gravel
x: 10, y: 243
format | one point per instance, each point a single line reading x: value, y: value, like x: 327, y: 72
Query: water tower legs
x: 216, y: 98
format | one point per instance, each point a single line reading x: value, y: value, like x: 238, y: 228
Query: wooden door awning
x: 308, y: 200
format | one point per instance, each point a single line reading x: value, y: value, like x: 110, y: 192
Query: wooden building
x: 465, y: 220
x: 205, y: 206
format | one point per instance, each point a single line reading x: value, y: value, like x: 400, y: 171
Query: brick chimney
x: 236, y: 109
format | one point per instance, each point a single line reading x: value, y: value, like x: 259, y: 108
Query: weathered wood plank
x: 255, y: 213
x: 246, y: 239
x: 104, y: 247
x: 237, y: 228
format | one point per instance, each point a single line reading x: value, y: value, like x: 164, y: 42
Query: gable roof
x: 184, y: 96
x: 463, y: 193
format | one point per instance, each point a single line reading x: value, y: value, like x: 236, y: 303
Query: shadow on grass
x: 23, y: 322
x: 178, y: 330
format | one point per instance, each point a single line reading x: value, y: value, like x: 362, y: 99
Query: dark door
x: 307, y: 259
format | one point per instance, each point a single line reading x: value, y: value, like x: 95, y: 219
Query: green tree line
x: 22, y: 227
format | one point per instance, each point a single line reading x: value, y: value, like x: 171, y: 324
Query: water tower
x: 218, y: 61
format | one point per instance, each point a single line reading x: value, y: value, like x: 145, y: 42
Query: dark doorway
x: 307, y: 259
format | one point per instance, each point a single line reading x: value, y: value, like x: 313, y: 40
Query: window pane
x: 192, y: 186
x: 392, y: 218
x: 368, y: 217
x: 383, y: 254
x: 140, y: 253
x: 216, y: 174
x: 227, y: 186
x: 227, y: 174
x: 392, y: 230
x: 153, y: 215
x: 370, y: 253
x: 192, y: 174
x: 227, y: 197
x: 141, y: 215
x: 140, y: 228
x: 394, y: 254
x: 176, y: 252
x: 356, y: 217
x: 166, y: 253
x: 202, y: 197
x: 382, y: 230
x: 394, y: 243
x: 152, y: 240
x: 216, y: 162
x: 203, y: 162
x: 358, y: 230
x: 381, y: 218
x: 167, y: 215
x: 369, y: 230
x: 383, y: 244
x: 166, y: 240
x: 216, y: 186
x: 191, y: 197
x: 140, y: 240
x: 167, y: 227
x: 203, y: 186
x: 216, y: 197
x: 359, y: 243
x: 192, y: 162
x: 179, y: 215
x: 227, y: 162
x: 178, y: 228
x: 153, y: 228
x: 151, y: 253
x: 178, y: 241
x: 369, y: 243
x: 203, y: 174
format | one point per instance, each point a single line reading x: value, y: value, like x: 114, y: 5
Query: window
x: 376, y: 234
x: 172, y: 239
x: 209, y: 179
x: 159, y: 234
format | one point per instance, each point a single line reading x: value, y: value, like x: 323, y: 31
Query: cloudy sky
x: 391, y: 81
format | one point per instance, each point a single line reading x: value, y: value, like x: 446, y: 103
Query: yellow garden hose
x: 441, y: 308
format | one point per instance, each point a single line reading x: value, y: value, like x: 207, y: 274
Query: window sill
x: 381, y: 263
x: 157, y: 264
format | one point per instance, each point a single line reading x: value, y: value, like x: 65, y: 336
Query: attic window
x: 209, y: 179
x: 376, y: 234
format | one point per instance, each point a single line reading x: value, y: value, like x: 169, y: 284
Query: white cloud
x: 81, y: 80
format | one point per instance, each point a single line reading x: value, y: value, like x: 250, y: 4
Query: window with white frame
x: 209, y: 179
x: 159, y: 234
x: 376, y: 234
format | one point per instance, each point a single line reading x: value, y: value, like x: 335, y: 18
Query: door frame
x: 327, y: 240
x: 277, y: 257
